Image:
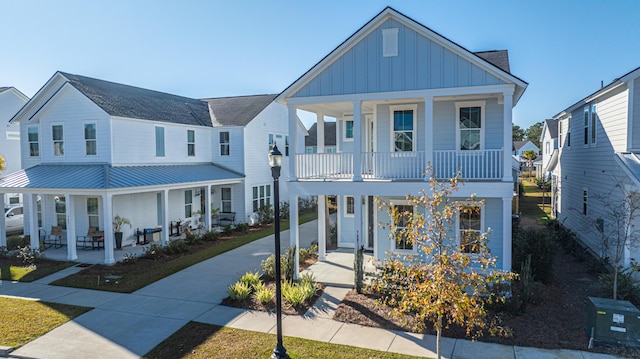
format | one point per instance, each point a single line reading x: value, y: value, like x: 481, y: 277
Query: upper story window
x: 470, y: 125
x: 90, y: 139
x: 348, y: 130
x: 569, y: 131
x: 403, y: 128
x: 594, y: 118
x: 470, y: 228
x: 159, y: 141
x: 390, y: 42
x: 34, y: 144
x: 547, y: 147
x: 586, y: 125
x: 57, y: 134
x: 191, y: 143
x: 560, y: 133
x: 279, y: 139
x: 225, y: 147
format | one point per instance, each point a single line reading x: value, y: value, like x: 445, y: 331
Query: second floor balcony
x: 483, y: 165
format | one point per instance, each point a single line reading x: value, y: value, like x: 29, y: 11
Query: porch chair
x: 86, y: 240
x: 54, y: 238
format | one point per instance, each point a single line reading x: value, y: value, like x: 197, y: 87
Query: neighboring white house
x: 549, y: 142
x: 599, y: 154
x: 93, y: 149
x: 11, y: 101
x: 404, y: 96
x: 520, y: 147
x: 311, y: 140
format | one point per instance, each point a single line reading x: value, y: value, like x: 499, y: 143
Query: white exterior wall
x: 71, y: 110
x: 235, y: 159
x: 10, y: 103
x: 134, y: 142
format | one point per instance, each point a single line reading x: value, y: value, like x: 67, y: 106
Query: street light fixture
x: 275, y: 162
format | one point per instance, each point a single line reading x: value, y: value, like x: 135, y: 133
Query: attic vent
x: 390, y: 42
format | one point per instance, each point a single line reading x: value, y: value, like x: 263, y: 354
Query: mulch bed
x: 557, y: 321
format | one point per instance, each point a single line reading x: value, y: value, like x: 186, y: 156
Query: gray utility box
x: 613, y: 321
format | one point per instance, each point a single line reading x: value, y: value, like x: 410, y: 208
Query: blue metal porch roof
x: 92, y: 176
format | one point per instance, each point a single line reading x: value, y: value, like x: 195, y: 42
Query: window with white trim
x: 390, y: 42
x: 569, y: 131
x: 403, y: 128
x: 560, y: 123
x: 286, y: 145
x: 585, y: 200
x: 34, y: 143
x: 594, y: 119
x: 61, y: 212
x: 92, y: 212
x: 470, y: 228
x: 191, y: 143
x: 159, y: 141
x: 39, y: 210
x: 348, y: 130
x: 277, y: 139
x: 90, y: 139
x: 349, y: 206
x: 402, y: 240
x: 586, y: 125
x: 261, y: 196
x: 57, y: 135
x: 225, y: 199
x: 188, y: 202
x: 470, y: 127
x: 225, y: 146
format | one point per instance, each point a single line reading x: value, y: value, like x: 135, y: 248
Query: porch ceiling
x: 104, y: 177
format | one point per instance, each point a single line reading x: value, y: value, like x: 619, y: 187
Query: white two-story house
x: 405, y: 96
x: 599, y: 164
x: 93, y: 149
x: 11, y: 101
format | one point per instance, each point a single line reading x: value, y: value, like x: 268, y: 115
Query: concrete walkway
x: 130, y: 325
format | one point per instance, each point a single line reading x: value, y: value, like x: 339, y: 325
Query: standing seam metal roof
x: 113, y: 177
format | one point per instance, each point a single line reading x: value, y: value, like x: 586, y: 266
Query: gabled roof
x: 15, y: 91
x: 517, y: 145
x: 2, y: 89
x: 494, y: 61
x: 552, y: 127
x: 329, y: 135
x: 134, y: 102
x: 238, y: 110
x: 630, y: 163
x: 103, y: 176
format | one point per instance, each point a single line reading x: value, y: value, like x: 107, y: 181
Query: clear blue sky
x: 563, y: 49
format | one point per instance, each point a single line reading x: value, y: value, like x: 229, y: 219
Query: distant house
x: 403, y: 97
x: 93, y: 149
x: 11, y: 101
x: 519, y: 148
x: 598, y: 165
x: 549, y: 141
x: 311, y: 141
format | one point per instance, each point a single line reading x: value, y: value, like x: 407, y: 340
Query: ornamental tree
x: 449, y: 278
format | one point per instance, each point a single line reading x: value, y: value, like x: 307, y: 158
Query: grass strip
x: 138, y: 277
x: 531, y: 205
x: 31, y: 273
x: 22, y: 321
x: 197, y: 340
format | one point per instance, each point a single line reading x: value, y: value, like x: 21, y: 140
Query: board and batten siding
x: 72, y: 110
x: 134, y: 142
x: 421, y: 64
x: 273, y: 119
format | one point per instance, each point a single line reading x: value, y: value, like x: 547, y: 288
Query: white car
x: 14, y: 219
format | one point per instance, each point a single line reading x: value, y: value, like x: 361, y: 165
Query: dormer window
x: 390, y: 42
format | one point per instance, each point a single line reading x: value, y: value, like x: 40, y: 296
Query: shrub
x: 242, y: 227
x: 293, y: 293
x: 627, y: 286
x: 284, y: 209
x: 268, y: 266
x: 264, y: 295
x: 250, y: 279
x: 210, y: 236
x: 28, y: 256
x: 227, y: 230
x: 15, y: 242
x: 288, y: 263
x: 191, y: 239
x: 154, y: 251
x: 308, y: 286
x: 542, y: 249
x: 306, y: 253
x: 176, y: 247
x: 129, y: 258
x: 265, y: 214
x: 239, y: 291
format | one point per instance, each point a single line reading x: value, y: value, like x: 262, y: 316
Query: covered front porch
x: 82, y: 200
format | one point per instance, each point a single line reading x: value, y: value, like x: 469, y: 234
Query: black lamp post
x: 275, y: 162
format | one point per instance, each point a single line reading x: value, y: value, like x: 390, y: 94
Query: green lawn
x: 531, y: 204
x: 136, y: 276
x: 22, y: 321
x: 197, y: 340
x: 11, y: 270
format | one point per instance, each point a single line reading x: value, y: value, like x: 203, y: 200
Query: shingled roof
x: 552, y: 125
x: 134, y: 102
x: 498, y: 58
x: 238, y: 110
x: 329, y: 135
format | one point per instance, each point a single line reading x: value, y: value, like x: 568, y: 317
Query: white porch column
x: 320, y: 133
x: 508, y: 139
x: 71, y: 227
x: 3, y: 230
x: 207, y: 208
x: 506, y: 234
x: 107, y: 215
x: 294, y: 231
x: 428, y: 130
x: 357, y: 141
x: 357, y: 222
x: 165, y: 217
x: 31, y: 205
x: 293, y: 138
x: 322, y: 219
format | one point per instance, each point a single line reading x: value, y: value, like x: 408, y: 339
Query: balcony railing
x: 474, y: 165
